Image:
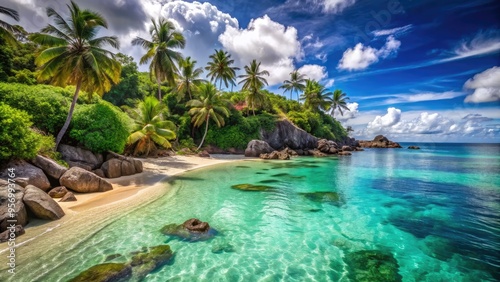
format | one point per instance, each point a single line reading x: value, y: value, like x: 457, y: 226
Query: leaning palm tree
x: 220, y: 69
x: 210, y: 105
x: 73, y: 55
x: 7, y: 30
x: 150, y: 127
x: 339, y: 101
x: 295, y: 84
x: 316, y: 97
x: 160, y: 50
x: 188, y: 79
x: 253, y: 81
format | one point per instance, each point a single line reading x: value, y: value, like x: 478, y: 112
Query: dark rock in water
x: 315, y: 210
x: 251, y: 187
x: 269, y: 181
x: 195, y: 225
x: 324, y: 197
x: 105, y: 272
x: 414, y: 147
x: 145, y: 262
x: 437, y: 247
x: 277, y: 155
x: 112, y: 257
x: 379, y: 141
x: 344, y: 153
x: 16, y: 231
x: 223, y: 248
x: 288, y: 175
x: 191, y: 230
x: 257, y: 147
x: 372, y: 266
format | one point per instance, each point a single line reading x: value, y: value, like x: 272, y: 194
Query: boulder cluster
x: 38, y: 182
x: 380, y: 141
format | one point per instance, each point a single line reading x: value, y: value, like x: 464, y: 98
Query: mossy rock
x: 105, y: 272
x: 178, y: 231
x: 324, y: 197
x: 251, y: 187
x: 144, y: 263
x: 372, y: 266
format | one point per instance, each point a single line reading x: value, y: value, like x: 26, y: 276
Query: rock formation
x: 80, y: 180
x: 50, y: 167
x: 80, y: 157
x: 286, y: 134
x: 27, y: 174
x: 379, y: 141
x: 257, y: 147
x: 58, y: 192
x: 40, y: 204
x: 20, y: 214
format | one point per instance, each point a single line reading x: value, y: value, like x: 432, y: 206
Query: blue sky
x: 414, y: 70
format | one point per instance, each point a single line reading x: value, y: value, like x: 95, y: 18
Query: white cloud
x: 269, y: 42
x: 360, y: 57
x: 486, y: 86
x: 350, y: 114
x: 411, y: 97
x: 393, y: 31
x: 388, y: 120
x: 483, y: 43
x: 336, y: 6
x: 315, y: 72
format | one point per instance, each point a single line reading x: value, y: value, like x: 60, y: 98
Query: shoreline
x: 93, y: 211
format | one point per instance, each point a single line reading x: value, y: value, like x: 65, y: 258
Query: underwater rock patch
x: 324, y: 197
x: 372, y: 266
x: 105, y: 272
x: 269, y: 181
x: 145, y: 262
x: 251, y: 187
x: 191, y: 230
x: 223, y: 248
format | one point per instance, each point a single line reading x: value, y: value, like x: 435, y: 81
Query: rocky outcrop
x: 414, y: 147
x: 27, y: 174
x: 19, y: 214
x: 257, y: 147
x: 12, y: 232
x: 58, y: 192
x: 127, y: 167
x: 80, y: 180
x: 196, y: 225
x: 112, y: 168
x: 379, y: 141
x: 68, y: 197
x: 201, y: 231
x: 105, y: 272
x: 40, y: 204
x: 286, y: 134
x: 50, y: 167
x: 372, y: 265
x: 277, y: 155
x: 204, y: 154
x: 80, y: 157
x: 117, y: 167
x: 327, y: 146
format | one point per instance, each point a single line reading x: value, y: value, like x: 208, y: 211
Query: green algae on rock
x: 191, y: 230
x: 251, y: 187
x: 372, y: 266
x: 145, y: 262
x: 324, y: 197
x: 105, y: 272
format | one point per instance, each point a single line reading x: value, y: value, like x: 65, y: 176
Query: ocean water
x: 435, y: 210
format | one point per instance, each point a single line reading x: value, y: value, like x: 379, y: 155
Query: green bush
x: 318, y: 124
x: 17, y: 138
x: 100, y: 127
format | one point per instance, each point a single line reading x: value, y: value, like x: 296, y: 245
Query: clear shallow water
x: 436, y: 210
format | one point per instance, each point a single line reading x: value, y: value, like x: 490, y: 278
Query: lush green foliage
x: 220, y: 68
x: 253, y: 81
x: 127, y: 90
x: 150, y: 127
x: 100, y: 127
x: 295, y: 84
x: 188, y: 80
x: 318, y: 124
x: 47, y: 105
x: 17, y: 138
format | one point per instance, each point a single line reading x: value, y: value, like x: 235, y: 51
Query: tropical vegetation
x: 64, y: 79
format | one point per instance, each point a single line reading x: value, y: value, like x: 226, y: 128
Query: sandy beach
x: 93, y: 211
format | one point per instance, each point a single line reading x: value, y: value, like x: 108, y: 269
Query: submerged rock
x: 112, y: 257
x: 191, y: 230
x: 223, y: 248
x: 251, y: 187
x: 105, y: 272
x: 324, y: 197
x: 372, y: 266
x: 414, y: 147
x: 145, y: 262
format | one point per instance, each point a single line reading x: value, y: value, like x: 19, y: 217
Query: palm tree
x: 7, y: 30
x: 339, y: 101
x: 316, y: 96
x: 188, y: 80
x: 296, y: 83
x: 219, y: 69
x: 73, y: 55
x: 209, y: 106
x: 150, y: 127
x: 160, y: 51
x: 253, y: 81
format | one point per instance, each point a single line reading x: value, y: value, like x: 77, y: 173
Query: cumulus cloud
x: 393, y: 124
x: 315, y: 72
x: 269, y: 42
x: 360, y: 57
x: 486, y: 86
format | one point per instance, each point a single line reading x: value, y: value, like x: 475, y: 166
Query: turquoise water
x: 435, y: 210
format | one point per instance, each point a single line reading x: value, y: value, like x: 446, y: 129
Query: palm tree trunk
x: 204, y: 135
x: 159, y: 87
x: 70, y: 114
x: 253, y: 108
